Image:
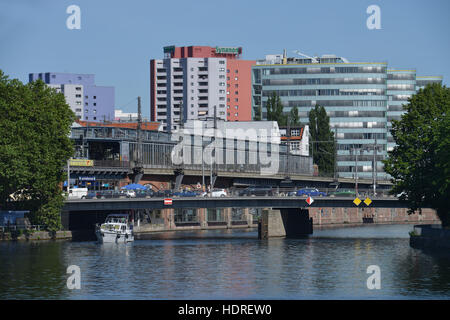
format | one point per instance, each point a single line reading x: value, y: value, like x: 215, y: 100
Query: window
x: 221, y: 76
x: 236, y: 78
x: 236, y: 107
x: 236, y: 99
x: 222, y: 70
x: 95, y: 118
x: 221, y: 91
x: 228, y: 70
x: 78, y: 88
x: 86, y: 97
x: 86, y: 103
x: 94, y: 111
x: 221, y: 61
x: 235, y: 71
x: 87, y: 118
x: 221, y: 84
x: 77, y: 110
x: 236, y: 114
x: 78, y: 103
x: 95, y: 97
x: 236, y: 92
x: 95, y: 104
x: 236, y: 85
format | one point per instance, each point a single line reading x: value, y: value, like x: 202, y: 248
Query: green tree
x: 275, y: 110
x: 419, y: 163
x: 34, y: 147
x: 293, y: 116
x: 322, y: 145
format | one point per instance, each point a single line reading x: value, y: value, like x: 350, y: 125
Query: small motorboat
x: 116, y: 229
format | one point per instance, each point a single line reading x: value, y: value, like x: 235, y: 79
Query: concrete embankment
x: 34, y: 236
x: 432, y: 237
x: 321, y: 218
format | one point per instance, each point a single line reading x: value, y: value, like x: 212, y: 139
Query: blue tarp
x: 134, y: 186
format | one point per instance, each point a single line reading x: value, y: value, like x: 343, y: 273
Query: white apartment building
x: 74, y: 94
x: 197, y: 85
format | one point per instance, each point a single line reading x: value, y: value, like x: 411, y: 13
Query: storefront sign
x: 86, y: 178
x: 81, y: 163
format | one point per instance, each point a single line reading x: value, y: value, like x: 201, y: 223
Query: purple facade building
x: 88, y: 101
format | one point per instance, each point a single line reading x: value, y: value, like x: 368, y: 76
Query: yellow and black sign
x: 367, y: 201
x: 357, y: 201
x: 81, y: 163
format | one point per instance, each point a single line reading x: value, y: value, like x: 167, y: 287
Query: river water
x: 229, y: 264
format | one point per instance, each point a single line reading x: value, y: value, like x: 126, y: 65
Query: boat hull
x: 113, y: 237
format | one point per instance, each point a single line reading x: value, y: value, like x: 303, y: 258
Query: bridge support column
x: 248, y: 217
x: 227, y: 216
x: 291, y: 223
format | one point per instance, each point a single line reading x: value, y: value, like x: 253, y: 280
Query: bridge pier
x: 290, y: 223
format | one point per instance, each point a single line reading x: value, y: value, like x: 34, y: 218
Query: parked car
x: 257, y: 191
x: 215, y: 193
x: 144, y: 193
x: 186, y: 193
x: 310, y: 192
x: 108, y: 194
x: 343, y: 193
x: 163, y: 193
x: 78, y: 193
x: 91, y: 195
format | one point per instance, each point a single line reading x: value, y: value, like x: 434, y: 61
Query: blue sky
x: 118, y: 38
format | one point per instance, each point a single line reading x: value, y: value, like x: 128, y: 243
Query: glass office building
x: 360, y: 98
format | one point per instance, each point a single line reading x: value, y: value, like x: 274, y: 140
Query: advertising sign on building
x: 234, y: 50
x: 81, y: 163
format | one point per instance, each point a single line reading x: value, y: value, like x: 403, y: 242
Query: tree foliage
x: 275, y: 110
x: 258, y: 114
x: 293, y: 117
x: 322, y: 146
x: 420, y: 162
x: 34, y: 147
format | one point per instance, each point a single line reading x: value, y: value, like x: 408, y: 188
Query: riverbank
x: 35, y: 236
x: 430, y: 236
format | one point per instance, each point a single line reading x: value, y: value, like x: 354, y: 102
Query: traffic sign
x: 168, y: 202
x: 357, y: 201
x: 309, y: 200
x: 367, y: 201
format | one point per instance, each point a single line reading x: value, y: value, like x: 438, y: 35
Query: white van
x: 78, y: 193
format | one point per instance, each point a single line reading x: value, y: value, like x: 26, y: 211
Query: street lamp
x: 375, y: 147
x: 356, y: 151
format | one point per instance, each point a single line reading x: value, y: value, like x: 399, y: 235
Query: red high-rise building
x: 175, y: 82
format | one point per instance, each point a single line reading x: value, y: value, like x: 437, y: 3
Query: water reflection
x: 224, y: 264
